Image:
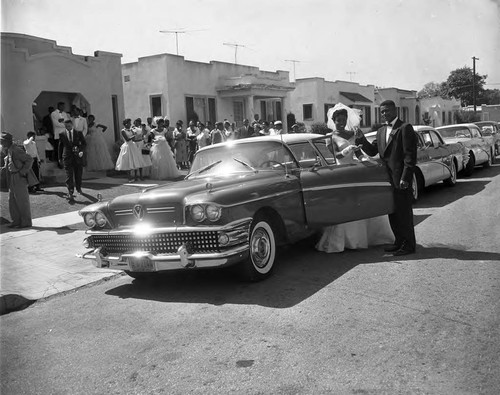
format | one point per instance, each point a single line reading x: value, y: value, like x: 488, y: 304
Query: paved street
x: 356, y: 322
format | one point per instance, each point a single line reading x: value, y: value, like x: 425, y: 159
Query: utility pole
x: 235, y: 50
x: 474, y: 82
x: 294, y: 62
x: 351, y: 73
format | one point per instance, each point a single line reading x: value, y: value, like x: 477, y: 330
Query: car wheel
x: 469, y: 168
x: 417, y: 185
x: 262, y: 246
x: 452, y: 181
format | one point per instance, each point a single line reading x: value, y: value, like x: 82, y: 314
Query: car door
x: 337, y: 193
x: 429, y: 158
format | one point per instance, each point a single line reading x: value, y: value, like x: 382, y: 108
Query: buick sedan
x: 481, y: 148
x: 241, y: 200
x: 436, y: 160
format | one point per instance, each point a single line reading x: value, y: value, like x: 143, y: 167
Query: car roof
x: 286, y: 138
x: 457, y: 124
x: 421, y: 128
x: 480, y: 123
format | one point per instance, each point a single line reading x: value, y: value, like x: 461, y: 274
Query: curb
x: 10, y: 303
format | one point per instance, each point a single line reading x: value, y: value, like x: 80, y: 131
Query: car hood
x: 164, y: 204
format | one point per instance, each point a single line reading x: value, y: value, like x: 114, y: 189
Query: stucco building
x: 312, y: 98
x: 168, y: 85
x: 38, y: 73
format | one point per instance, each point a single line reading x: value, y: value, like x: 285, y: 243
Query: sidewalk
x: 41, y: 261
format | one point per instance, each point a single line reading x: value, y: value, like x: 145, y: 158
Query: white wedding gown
x: 356, y: 234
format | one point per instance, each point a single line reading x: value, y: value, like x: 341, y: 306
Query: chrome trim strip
x: 279, y: 194
x: 180, y: 229
x: 353, y: 185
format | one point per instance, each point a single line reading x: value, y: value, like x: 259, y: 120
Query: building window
x: 449, y: 118
x: 366, y: 120
x: 190, y: 108
x: 278, y: 115
x: 156, y: 106
x: 126, y: 78
x: 377, y: 116
x: 405, y: 114
x: 307, y: 111
x: 327, y: 107
x: 238, y: 112
x: 443, y: 118
x: 212, y: 113
x: 263, y: 110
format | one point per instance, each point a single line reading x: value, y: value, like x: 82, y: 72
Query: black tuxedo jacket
x: 69, y: 149
x: 399, y: 152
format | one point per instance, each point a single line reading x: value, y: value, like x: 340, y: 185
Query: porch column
x: 249, y: 112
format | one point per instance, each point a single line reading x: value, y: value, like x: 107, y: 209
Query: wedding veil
x: 353, y: 119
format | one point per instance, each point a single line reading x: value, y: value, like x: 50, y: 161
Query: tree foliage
x: 432, y: 89
x: 489, y: 96
x: 460, y: 82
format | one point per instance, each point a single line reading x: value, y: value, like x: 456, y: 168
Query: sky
x: 386, y: 43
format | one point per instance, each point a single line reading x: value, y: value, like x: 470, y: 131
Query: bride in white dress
x: 344, y: 121
x: 162, y: 157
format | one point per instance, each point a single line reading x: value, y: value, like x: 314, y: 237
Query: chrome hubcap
x: 260, y: 248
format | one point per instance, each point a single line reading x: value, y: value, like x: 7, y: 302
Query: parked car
x: 481, y: 149
x: 491, y: 128
x: 436, y: 160
x: 240, y: 201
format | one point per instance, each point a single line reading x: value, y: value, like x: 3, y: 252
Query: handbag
x: 145, y: 151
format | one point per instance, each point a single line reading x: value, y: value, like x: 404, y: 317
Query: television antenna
x: 294, y: 62
x: 351, y: 73
x: 177, y: 32
x: 235, y: 50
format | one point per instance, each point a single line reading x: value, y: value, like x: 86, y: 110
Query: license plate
x: 141, y: 265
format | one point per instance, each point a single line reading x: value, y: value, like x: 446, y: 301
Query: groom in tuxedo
x: 71, y: 153
x: 396, y: 143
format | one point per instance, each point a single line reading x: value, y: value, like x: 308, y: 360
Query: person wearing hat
x: 72, y: 145
x: 17, y: 165
x: 278, y: 128
x: 245, y: 131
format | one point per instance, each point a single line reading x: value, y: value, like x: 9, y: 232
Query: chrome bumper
x: 167, y: 262
x: 146, y: 261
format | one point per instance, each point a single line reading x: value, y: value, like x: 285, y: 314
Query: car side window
x: 463, y: 132
x: 475, y: 132
x: 427, y: 139
x: 435, y: 139
x: 305, y: 154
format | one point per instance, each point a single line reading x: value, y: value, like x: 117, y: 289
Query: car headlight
x: 100, y: 220
x: 89, y: 219
x: 213, y: 212
x: 198, y: 212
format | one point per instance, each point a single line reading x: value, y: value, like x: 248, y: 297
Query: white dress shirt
x: 58, y: 126
x: 389, y: 129
x: 80, y: 124
x: 30, y: 147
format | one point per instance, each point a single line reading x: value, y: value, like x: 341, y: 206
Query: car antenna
x: 283, y: 147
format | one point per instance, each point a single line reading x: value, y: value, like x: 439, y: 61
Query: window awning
x: 355, y: 97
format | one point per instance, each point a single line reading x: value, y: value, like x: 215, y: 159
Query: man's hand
x: 403, y: 184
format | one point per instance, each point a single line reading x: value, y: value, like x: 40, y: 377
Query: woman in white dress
x: 162, y: 158
x: 98, y: 156
x: 344, y: 121
x: 130, y: 157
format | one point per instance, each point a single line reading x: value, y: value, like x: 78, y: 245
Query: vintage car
x: 436, y: 160
x: 491, y: 128
x: 481, y: 149
x: 239, y: 202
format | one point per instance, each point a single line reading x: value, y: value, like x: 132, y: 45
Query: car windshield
x: 454, y: 132
x: 225, y: 159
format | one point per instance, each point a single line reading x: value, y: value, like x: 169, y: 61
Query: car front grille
x: 160, y: 243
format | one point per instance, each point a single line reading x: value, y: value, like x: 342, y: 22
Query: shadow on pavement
x: 300, y: 273
x: 439, y: 195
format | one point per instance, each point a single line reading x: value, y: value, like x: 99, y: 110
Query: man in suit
x: 245, y: 131
x: 396, y: 143
x: 17, y: 165
x: 71, y: 154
